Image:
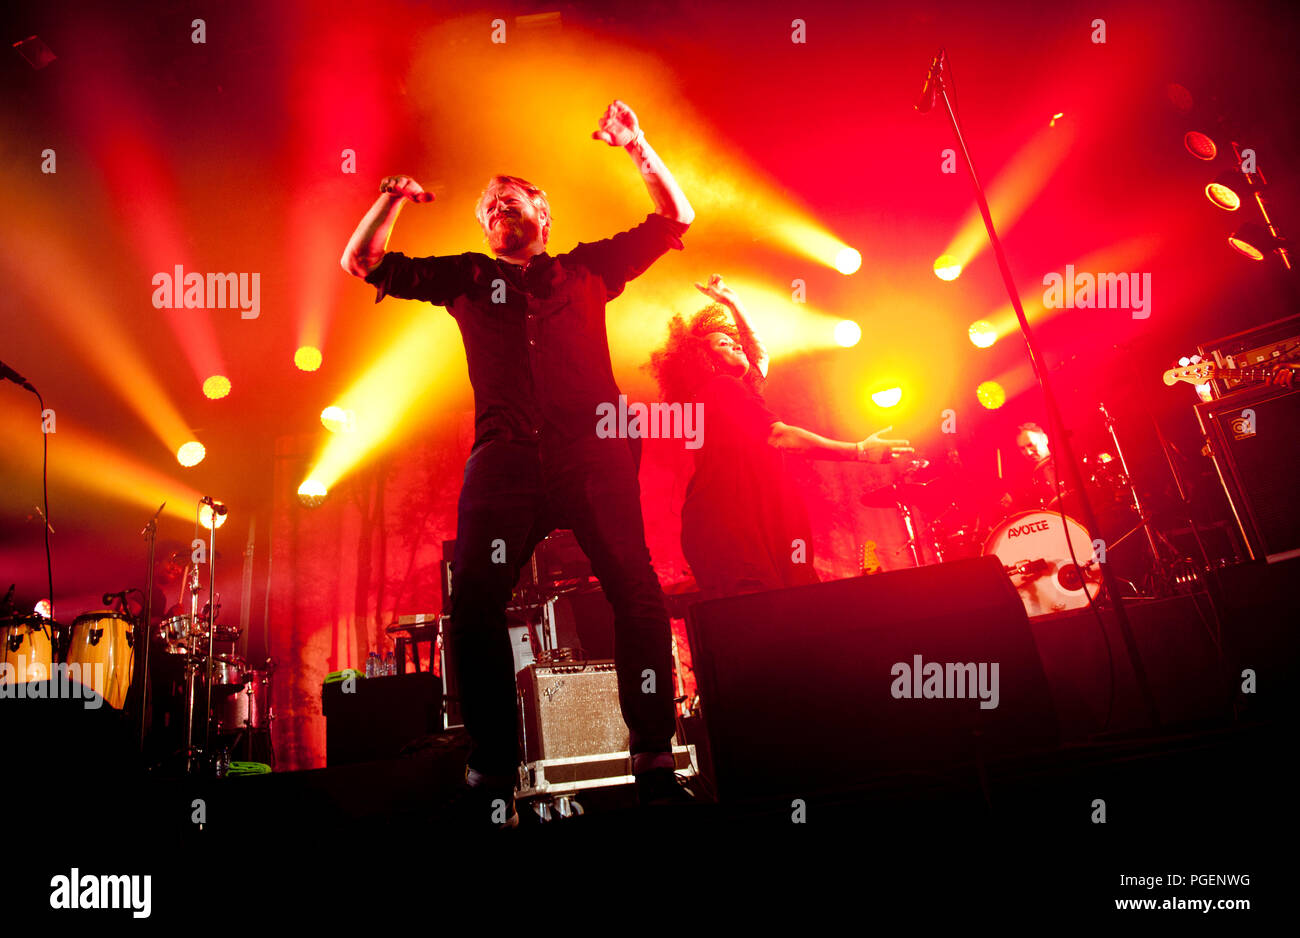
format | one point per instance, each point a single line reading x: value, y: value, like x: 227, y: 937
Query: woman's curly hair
x: 685, y: 362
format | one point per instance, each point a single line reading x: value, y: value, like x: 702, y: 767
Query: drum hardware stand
x: 150, y: 533
x: 1210, y: 569
x: 1161, y: 574
x: 913, y: 541
x: 212, y: 609
x: 937, y: 84
x: 192, y: 755
x: 221, y: 765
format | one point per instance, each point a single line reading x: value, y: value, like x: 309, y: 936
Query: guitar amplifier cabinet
x: 1254, y: 440
x: 569, y: 710
x: 573, y: 730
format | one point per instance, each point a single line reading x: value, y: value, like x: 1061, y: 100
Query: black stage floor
x: 1021, y: 841
x: 1207, y: 798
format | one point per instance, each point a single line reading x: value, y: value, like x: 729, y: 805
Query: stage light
x: 1199, y: 145
x: 887, y: 398
x: 1223, y: 192
x: 1055, y: 117
x: 1204, y: 393
x: 307, y: 358
x: 1179, y: 97
x: 205, y: 515
x: 191, y: 454
x: 947, y: 267
x: 1184, y: 362
x: 338, y: 420
x: 847, y: 261
x: 982, y: 333
x: 991, y: 395
x: 216, y: 387
x: 1253, y: 240
x: 42, y: 608
x: 847, y: 333
x: 311, y: 493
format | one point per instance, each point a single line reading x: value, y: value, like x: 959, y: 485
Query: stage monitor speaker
x: 814, y: 690
x: 1254, y: 438
x: 380, y: 716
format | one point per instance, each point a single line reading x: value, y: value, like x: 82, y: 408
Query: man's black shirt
x: 535, y: 338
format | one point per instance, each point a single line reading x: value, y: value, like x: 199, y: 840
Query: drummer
x: 1029, y: 480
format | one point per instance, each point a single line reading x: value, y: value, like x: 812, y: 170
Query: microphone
x: 8, y: 374
x: 932, y: 82
x: 145, y: 529
x: 217, y: 507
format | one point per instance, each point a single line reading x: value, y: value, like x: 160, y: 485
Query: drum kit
x: 225, y: 702
x: 1051, y: 558
x: 221, y: 692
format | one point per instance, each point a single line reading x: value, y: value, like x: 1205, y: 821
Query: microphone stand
x: 212, y: 619
x: 150, y: 533
x: 937, y: 82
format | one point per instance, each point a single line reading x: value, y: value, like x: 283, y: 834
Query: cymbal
x: 889, y: 496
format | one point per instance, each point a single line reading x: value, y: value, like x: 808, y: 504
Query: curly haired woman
x: 743, y: 520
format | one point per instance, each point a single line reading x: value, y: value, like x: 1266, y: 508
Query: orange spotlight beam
x: 92, y: 465
x: 38, y: 260
x: 1015, y: 186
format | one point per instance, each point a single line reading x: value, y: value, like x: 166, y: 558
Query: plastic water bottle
x: 372, y: 664
x: 390, y: 665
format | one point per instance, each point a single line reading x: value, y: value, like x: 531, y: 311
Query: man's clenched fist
x: 618, y: 126
x: 406, y: 187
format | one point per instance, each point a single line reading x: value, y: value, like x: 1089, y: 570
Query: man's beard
x: 510, y: 237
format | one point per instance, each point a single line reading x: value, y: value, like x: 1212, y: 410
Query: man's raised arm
x: 366, y: 246
x: 619, y: 128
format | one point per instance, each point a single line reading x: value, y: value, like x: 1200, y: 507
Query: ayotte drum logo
x: 1029, y: 528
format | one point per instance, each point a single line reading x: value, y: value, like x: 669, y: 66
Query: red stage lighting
x: 1199, y: 145
x: 1253, y: 240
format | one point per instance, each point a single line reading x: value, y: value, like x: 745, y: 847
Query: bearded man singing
x: 533, y: 325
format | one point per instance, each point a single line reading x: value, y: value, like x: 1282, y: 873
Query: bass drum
x: 1034, y: 547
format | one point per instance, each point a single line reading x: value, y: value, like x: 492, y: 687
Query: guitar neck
x: 1204, y: 373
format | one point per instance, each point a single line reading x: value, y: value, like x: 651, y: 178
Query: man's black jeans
x: 515, y: 493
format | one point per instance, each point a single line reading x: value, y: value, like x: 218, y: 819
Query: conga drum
x: 25, y: 650
x: 102, y: 648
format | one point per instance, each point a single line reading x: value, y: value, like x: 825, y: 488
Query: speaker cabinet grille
x: 569, y: 711
x: 1254, y: 439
